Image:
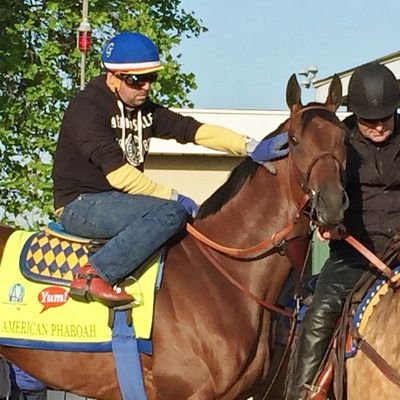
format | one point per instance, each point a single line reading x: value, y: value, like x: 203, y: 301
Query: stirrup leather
x: 87, y: 276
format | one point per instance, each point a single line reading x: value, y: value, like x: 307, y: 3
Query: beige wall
x: 196, y: 171
x: 197, y: 176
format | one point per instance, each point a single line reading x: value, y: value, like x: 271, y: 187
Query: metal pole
x: 85, y: 8
x: 85, y: 27
x: 83, y: 69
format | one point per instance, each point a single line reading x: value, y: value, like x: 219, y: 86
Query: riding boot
x: 87, y: 285
x: 314, y: 336
x: 338, y: 276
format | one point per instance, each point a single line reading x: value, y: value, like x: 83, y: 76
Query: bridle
x: 301, y: 179
x: 301, y: 195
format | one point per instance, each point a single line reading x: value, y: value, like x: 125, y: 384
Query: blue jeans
x: 135, y: 225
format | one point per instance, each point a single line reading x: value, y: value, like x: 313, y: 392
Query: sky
x: 252, y: 47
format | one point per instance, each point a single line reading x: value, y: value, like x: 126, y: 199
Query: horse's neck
x: 259, y: 210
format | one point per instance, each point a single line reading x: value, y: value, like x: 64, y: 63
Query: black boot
x: 313, y: 339
x: 338, y: 276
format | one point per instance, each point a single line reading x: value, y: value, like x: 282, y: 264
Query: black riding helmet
x: 373, y: 91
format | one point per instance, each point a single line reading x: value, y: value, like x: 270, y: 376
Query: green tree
x: 40, y: 66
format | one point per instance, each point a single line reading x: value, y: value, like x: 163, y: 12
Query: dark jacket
x: 373, y: 187
x: 90, y: 143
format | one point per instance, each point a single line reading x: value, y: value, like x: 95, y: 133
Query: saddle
x: 53, y: 256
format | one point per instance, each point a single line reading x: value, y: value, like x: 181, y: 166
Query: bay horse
x: 211, y: 340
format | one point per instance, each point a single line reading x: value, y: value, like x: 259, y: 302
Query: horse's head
x: 317, y: 152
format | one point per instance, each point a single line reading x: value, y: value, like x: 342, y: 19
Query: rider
x: 100, y: 190
x: 373, y: 187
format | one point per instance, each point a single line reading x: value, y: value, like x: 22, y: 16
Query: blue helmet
x: 131, y: 53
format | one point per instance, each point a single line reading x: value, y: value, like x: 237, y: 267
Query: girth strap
x: 127, y: 359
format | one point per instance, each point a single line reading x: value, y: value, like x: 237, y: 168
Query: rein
x: 371, y: 257
x: 277, y: 238
x: 234, y: 282
x: 275, y: 241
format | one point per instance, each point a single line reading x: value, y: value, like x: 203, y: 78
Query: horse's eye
x: 294, y: 140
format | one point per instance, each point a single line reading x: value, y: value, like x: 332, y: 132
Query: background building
x: 392, y: 61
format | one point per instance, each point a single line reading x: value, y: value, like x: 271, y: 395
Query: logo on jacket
x: 133, y: 149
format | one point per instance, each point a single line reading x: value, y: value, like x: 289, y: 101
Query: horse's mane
x: 245, y: 170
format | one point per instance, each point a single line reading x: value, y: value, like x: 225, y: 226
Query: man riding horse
x: 100, y: 190
x: 373, y: 187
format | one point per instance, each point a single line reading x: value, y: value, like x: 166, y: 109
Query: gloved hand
x: 188, y: 204
x: 270, y: 148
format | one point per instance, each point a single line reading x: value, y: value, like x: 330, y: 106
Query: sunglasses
x: 135, y: 81
x: 378, y: 121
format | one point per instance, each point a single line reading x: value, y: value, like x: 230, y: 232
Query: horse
x: 211, y: 340
x: 365, y: 379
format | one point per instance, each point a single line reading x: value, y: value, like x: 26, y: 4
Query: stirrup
x: 313, y: 392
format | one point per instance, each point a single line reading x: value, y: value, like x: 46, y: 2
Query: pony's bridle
x: 301, y: 179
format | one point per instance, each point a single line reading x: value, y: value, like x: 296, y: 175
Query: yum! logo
x: 53, y: 296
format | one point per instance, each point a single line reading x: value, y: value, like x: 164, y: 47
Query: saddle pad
x: 56, y: 229
x: 44, y: 316
x: 50, y: 259
x: 366, y: 307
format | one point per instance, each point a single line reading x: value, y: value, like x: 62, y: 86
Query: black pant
x: 29, y: 395
x: 338, y: 276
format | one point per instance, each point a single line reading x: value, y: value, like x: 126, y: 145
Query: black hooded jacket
x: 98, y: 136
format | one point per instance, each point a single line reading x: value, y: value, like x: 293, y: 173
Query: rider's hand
x: 188, y: 204
x: 269, y: 148
x: 333, y: 233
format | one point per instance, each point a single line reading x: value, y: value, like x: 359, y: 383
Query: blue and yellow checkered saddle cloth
x: 53, y: 256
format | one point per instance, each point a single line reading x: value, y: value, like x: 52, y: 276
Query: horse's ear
x: 334, y: 99
x: 293, y: 93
